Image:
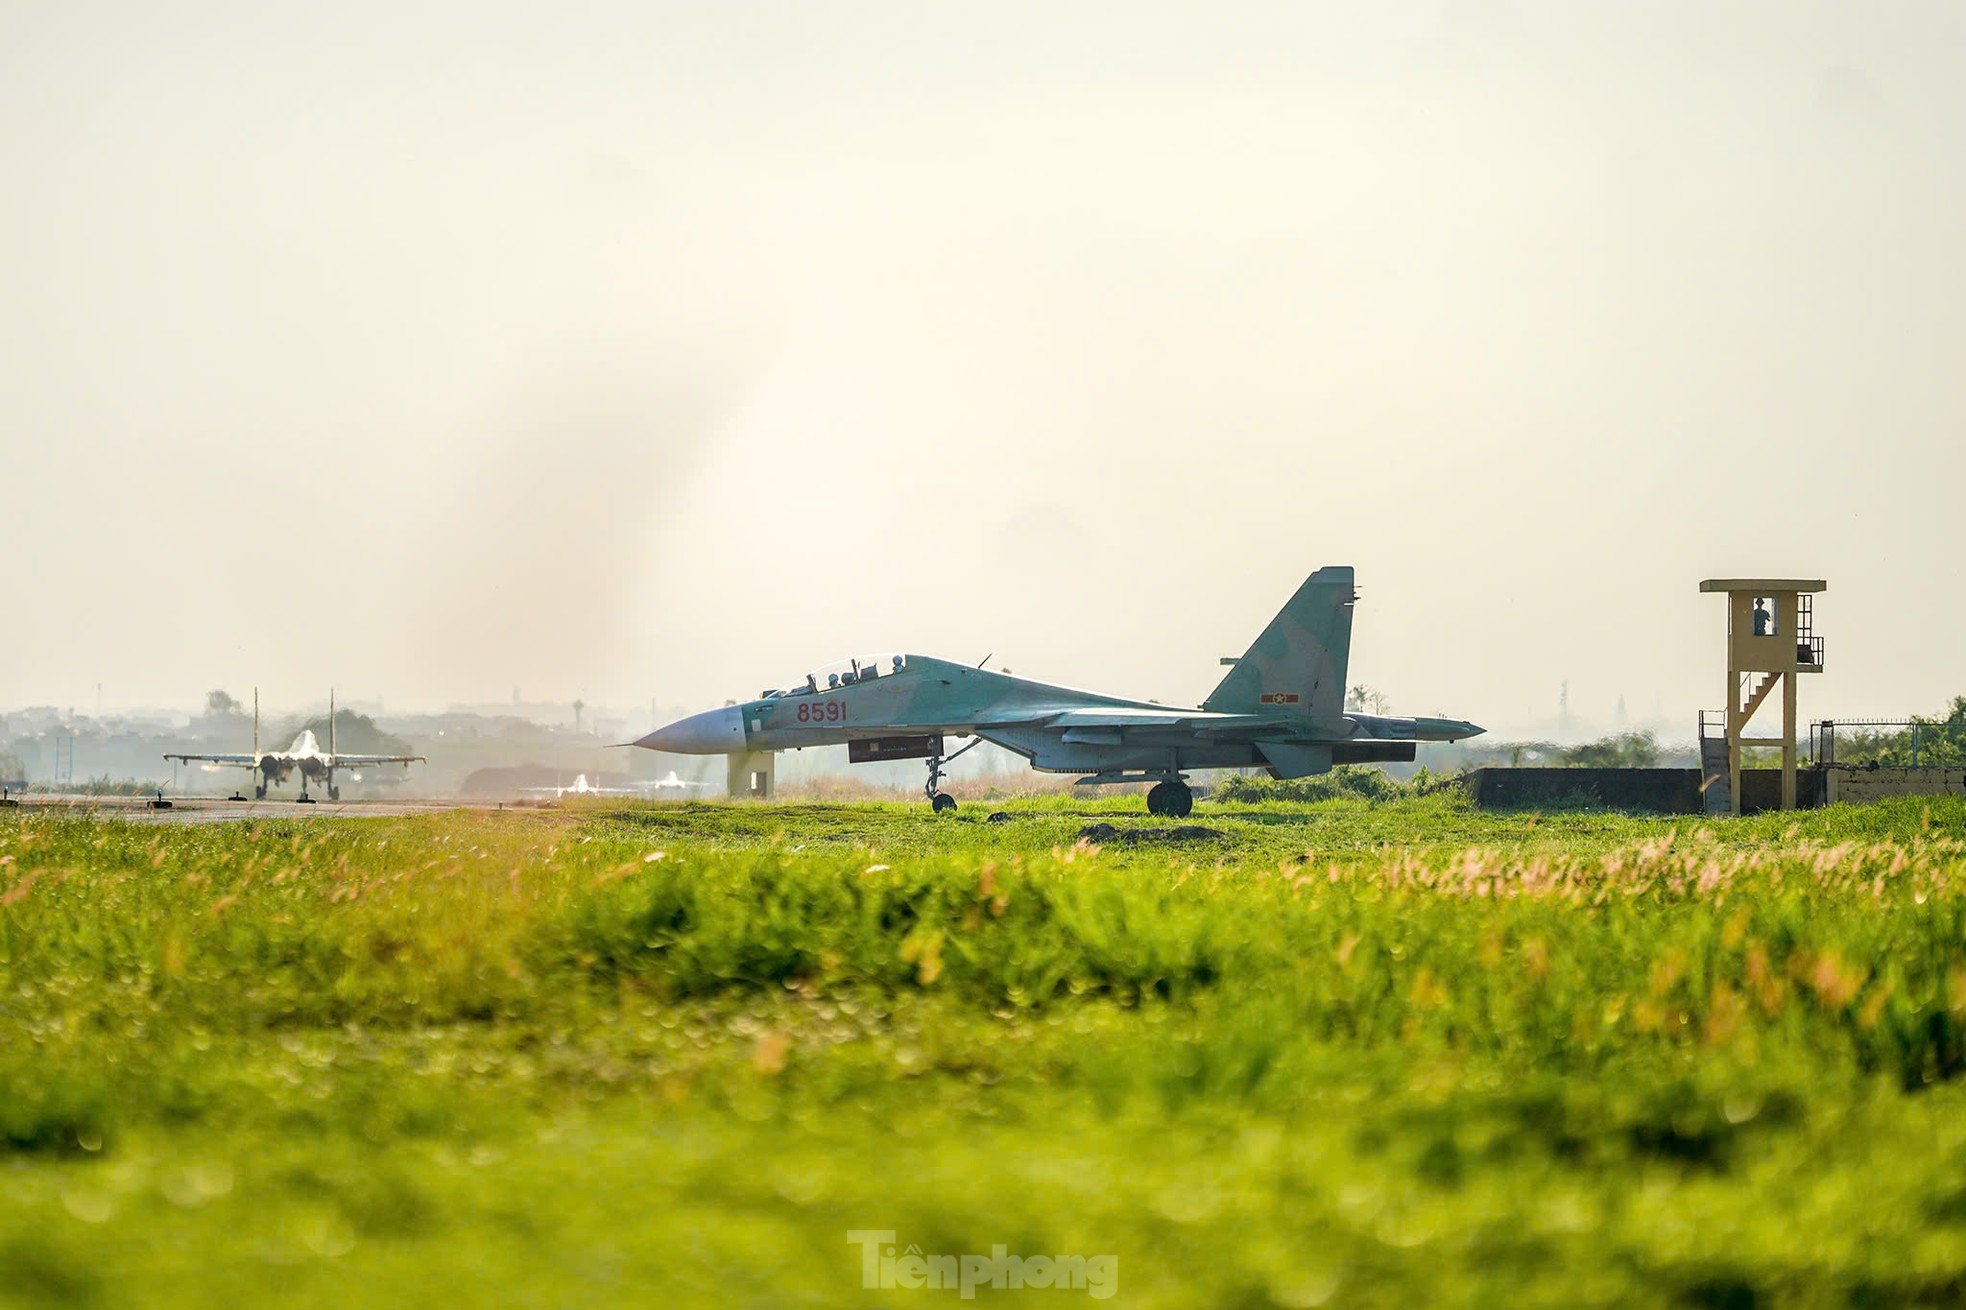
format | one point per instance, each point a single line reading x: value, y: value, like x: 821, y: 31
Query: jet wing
x: 1102, y: 725
x: 1126, y: 716
x: 243, y: 761
x: 359, y: 761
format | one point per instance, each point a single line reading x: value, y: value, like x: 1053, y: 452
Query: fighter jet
x: 580, y: 786
x: 669, y: 782
x: 1280, y: 708
x: 305, y: 756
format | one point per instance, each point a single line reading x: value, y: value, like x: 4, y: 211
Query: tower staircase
x: 1716, y: 779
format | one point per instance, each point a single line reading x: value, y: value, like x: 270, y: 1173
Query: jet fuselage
x: 1280, y: 707
x: 926, y: 697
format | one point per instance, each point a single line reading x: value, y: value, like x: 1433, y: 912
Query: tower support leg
x: 1788, y: 741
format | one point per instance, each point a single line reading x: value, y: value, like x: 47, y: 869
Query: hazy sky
x: 639, y: 351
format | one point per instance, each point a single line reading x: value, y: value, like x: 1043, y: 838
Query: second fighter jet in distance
x: 304, y: 756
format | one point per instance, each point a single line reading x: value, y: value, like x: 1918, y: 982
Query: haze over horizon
x: 635, y: 352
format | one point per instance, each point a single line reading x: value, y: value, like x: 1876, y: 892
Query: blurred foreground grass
x: 1336, y: 1054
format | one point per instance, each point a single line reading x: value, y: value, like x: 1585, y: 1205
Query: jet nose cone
x: 1469, y: 730
x: 713, y: 732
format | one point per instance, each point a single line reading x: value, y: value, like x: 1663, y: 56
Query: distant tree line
x: 1936, y: 742
x: 354, y: 733
x: 1625, y: 750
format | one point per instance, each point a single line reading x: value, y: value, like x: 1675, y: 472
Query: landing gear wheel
x: 259, y: 792
x: 334, y: 793
x: 1180, y: 800
x: 1157, y: 798
x: 303, y: 799
x: 942, y: 802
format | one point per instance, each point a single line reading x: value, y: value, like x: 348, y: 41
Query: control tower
x: 1770, y: 639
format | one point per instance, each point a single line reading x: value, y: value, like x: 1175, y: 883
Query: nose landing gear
x: 941, y: 801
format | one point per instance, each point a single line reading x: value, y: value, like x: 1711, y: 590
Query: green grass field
x: 1344, y: 1054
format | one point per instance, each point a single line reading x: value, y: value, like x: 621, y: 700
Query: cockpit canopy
x: 843, y: 673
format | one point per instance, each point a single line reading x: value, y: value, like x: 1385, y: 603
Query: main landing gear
x: 941, y: 801
x: 1172, y: 797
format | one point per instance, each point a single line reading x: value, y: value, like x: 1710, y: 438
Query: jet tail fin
x: 1299, y: 662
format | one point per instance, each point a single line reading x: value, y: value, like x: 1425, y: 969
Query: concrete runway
x: 200, y: 809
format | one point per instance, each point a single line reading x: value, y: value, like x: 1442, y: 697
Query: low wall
x: 1663, y: 791
x: 1855, y: 786
x: 1761, y: 789
x: 1658, y: 791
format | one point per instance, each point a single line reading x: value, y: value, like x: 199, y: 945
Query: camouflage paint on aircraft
x: 1281, y: 708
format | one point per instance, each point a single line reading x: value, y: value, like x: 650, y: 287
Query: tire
x: 1157, y: 798
x: 259, y: 792
x: 1180, y: 800
x: 334, y: 793
x: 943, y: 802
